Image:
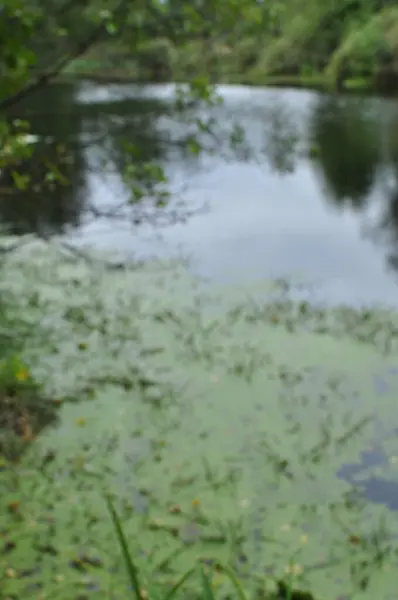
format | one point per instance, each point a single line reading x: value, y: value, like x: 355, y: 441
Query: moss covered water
x: 218, y: 419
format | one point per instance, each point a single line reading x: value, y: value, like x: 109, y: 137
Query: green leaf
x: 112, y: 28
x: 194, y: 147
x: 234, y: 580
x: 207, y: 592
x: 21, y: 181
x: 179, y: 584
x: 131, y: 569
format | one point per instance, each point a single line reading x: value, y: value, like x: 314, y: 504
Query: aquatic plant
x: 216, y: 419
x: 206, y: 579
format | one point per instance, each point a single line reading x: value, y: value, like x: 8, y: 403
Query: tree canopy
x: 200, y: 42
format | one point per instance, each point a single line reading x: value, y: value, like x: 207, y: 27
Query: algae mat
x: 220, y: 431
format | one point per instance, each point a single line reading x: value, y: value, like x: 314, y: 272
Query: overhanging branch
x: 43, y: 79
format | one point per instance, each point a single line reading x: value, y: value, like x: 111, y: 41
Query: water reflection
x: 51, y: 207
x: 357, y: 154
x: 101, y: 138
x: 351, y: 145
x: 47, y: 209
x: 389, y: 219
x: 346, y: 142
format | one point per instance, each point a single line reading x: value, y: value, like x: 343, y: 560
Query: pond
x: 250, y: 434
x: 316, y: 198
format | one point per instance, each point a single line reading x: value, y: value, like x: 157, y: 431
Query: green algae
x: 218, y: 422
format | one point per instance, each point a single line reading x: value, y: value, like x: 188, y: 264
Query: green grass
x: 24, y: 411
x: 206, y: 578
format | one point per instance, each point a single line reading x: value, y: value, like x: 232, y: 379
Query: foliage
x: 24, y: 412
x: 367, y: 48
x: 16, y: 24
x: 356, y: 36
x: 14, y: 142
x: 66, y: 32
x: 202, y: 43
x: 270, y: 39
x: 139, y: 593
x: 154, y: 59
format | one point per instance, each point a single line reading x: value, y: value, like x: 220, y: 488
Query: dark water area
x: 316, y: 196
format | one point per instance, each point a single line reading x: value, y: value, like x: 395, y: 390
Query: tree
x: 40, y: 39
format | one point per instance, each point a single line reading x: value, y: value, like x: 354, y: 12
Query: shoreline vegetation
x: 124, y: 372
x: 361, y: 55
x: 98, y: 74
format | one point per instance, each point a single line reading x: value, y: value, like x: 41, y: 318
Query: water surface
x: 249, y: 413
x: 317, y: 198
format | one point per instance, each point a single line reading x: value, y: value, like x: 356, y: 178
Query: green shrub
x: 367, y: 49
x: 24, y: 412
x: 247, y: 51
x: 154, y: 59
x: 188, y: 59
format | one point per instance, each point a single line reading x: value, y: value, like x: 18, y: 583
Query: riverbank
x: 362, y: 54
x: 99, y: 74
x: 176, y: 408
x: 97, y: 71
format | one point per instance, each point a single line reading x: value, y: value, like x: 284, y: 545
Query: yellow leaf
x: 22, y: 374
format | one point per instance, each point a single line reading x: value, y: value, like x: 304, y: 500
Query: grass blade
x: 206, y: 586
x: 131, y: 569
x: 234, y: 580
x: 179, y: 583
